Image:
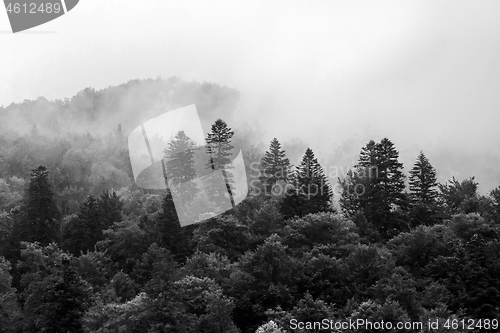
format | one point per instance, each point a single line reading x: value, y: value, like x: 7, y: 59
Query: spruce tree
x: 110, y: 209
x: 81, y: 233
x: 179, y: 166
x: 219, y: 148
x: 423, y: 193
x: 313, y: 184
x: 39, y: 222
x: 274, y: 167
x: 389, y: 173
x: 376, y: 188
x: 311, y: 192
x: 423, y: 182
x: 168, y: 232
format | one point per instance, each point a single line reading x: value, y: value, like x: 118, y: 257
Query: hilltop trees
x: 275, y: 167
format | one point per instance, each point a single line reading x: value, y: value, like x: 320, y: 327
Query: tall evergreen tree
x: 179, y: 166
x: 311, y: 192
x: 423, y: 192
x: 81, y: 233
x: 110, y: 209
x: 313, y: 184
x: 168, y: 232
x: 376, y: 187
x: 219, y: 148
x: 39, y: 222
x: 423, y: 182
x: 274, y: 167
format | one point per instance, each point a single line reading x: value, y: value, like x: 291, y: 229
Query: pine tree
x: 110, y: 209
x: 388, y: 192
x: 423, y: 195
x: 168, y: 231
x: 40, y: 219
x: 368, y: 155
x: 311, y: 192
x: 376, y: 187
x: 423, y: 182
x: 81, y: 233
x: 219, y: 148
x: 313, y: 184
x: 274, y: 167
x: 179, y: 166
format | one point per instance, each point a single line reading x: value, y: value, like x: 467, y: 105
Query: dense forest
x: 84, y: 249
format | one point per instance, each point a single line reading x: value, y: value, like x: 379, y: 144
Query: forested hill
x: 100, y: 111
x: 83, y: 249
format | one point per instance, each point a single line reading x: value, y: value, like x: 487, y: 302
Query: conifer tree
x: 81, y: 233
x: 39, y: 222
x: 168, y: 231
x: 423, y: 193
x: 179, y: 166
x: 313, y: 184
x: 219, y: 148
x: 311, y: 192
x: 274, y: 167
x: 110, y: 209
x: 423, y: 182
x: 389, y: 173
x: 376, y: 187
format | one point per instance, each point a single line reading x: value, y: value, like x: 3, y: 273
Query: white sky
x: 419, y: 72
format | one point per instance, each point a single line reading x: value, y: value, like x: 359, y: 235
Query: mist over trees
x: 84, y: 249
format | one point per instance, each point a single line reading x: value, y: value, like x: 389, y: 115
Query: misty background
x: 329, y: 75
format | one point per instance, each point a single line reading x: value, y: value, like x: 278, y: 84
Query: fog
x: 333, y: 74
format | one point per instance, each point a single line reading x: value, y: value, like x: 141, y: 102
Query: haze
x: 334, y: 74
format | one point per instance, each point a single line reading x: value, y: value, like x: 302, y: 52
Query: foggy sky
x: 426, y: 74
